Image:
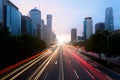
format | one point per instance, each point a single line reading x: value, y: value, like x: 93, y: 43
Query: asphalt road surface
x: 60, y: 62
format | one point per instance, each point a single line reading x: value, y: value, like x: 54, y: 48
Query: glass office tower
x: 1, y: 11
x: 35, y: 16
x: 109, y: 23
x: 10, y: 17
x: 13, y: 18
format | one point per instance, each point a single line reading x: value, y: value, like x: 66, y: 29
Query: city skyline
x: 69, y: 14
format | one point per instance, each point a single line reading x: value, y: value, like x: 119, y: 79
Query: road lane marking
x: 108, y: 77
x: 48, y: 61
x: 89, y: 74
x: 76, y: 73
x: 45, y: 76
x: 38, y: 69
x: 61, y: 71
x: 16, y: 70
x: 55, y: 62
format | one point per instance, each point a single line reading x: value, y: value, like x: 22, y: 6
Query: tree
x: 17, y: 48
x: 6, y: 47
x: 27, y: 45
x: 113, y: 44
x: 96, y: 43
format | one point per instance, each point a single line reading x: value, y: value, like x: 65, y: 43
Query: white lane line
x: 90, y: 74
x: 61, y: 71
x: 108, y: 77
x: 62, y: 68
x: 76, y: 73
x: 44, y: 66
x: 55, y: 62
x: 45, y: 76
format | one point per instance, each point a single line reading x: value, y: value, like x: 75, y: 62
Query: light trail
x: 99, y: 75
x: 48, y: 61
x: 76, y: 73
x: 16, y: 70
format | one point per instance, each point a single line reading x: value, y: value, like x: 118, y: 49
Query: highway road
x: 60, y: 62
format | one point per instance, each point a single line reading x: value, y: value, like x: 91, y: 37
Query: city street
x: 60, y: 62
x: 59, y: 40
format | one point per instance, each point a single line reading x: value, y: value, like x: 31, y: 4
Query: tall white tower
x: 88, y: 27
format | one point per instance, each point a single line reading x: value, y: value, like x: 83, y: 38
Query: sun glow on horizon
x: 61, y: 40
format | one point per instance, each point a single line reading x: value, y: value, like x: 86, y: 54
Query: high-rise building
x: 49, y: 26
x: 88, y: 27
x: 26, y: 27
x: 80, y: 38
x: 10, y: 17
x: 84, y: 31
x: 99, y: 27
x: 42, y: 29
x: 35, y: 16
x: 53, y: 38
x: 49, y: 21
x: 73, y: 35
x: 1, y: 11
x: 109, y: 23
x: 46, y: 35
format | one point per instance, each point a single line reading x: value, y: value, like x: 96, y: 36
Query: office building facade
x: 26, y: 27
x: 1, y: 11
x: 99, y: 27
x: 10, y: 17
x: 42, y: 29
x: 53, y: 38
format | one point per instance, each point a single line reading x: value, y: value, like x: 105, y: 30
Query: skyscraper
x: 88, y: 27
x: 49, y: 21
x: 10, y: 17
x: 99, y: 27
x: 1, y: 11
x: 53, y: 38
x: 42, y: 29
x: 73, y: 35
x: 26, y: 27
x: 35, y: 16
x: 109, y: 23
x: 49, y: 26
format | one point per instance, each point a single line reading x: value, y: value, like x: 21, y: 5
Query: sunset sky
x: 69, y: 14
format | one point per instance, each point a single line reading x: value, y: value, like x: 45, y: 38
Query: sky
x: 69, y: 14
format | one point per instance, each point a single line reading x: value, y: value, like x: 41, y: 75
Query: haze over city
x: 69, y: 14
